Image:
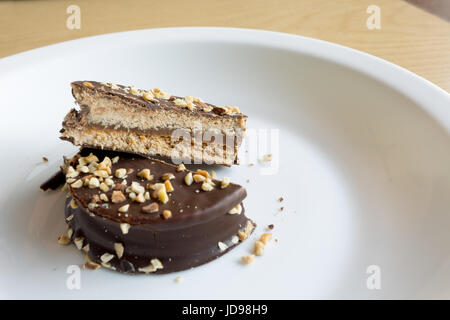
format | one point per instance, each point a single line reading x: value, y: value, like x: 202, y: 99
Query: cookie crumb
x: 270, y: 226
x: 281, y: 199
x: 44, y: 159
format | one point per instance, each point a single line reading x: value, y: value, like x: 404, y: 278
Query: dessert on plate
x: 135, y: 214
x: 153, y: 123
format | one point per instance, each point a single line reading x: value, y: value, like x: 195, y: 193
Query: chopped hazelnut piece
x: 91, y: 265
x: 118, y: 247
x: 64, y: 240
x: 167, y: 214
x: 234, y: 239
x: 207, y: 186
x: 259, y: 248
x: 248, y: 259
x: 181, y: 167
x: 79, y: 242
x: 137, y: 188
x: 124, y: 208
x: 225, y: 182
x: 106, y: 257
x: 148, y: 269
x: 152, y: 207
x: 73, y: 204
x: 148, y: 95
x: 71, y: 173
x: 188, y: 179
x: 69, y: 218
x: 88, y: 84
x: 162, y: 195
x: 125, y: 227
x: 156, y: 263
x: 109, y: 182
x: 101, y: 173
x: 140, y: 198
x: 265, y: 238
x: 236, y: 210
x: 115, y: 159
x: 203, y: 173
x: 118, y: 197
x: 267, y: 157
x: 242, y: 235
x: 147, y: 195
x: 178, y: 279
x: 168, y: 185
x: 198, y: 178
x: 77, y: 184
x: 222, y: 246
x: 120, y: 173
x: 145, y: 173
x: 94, y: 183
x: 167, y: 176
x: 132, y: 196
x: 104, y: 197
x: 104, y: 187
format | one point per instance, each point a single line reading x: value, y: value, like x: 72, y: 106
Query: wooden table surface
x: 409, y: 36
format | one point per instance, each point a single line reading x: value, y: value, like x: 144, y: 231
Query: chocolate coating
x: 189, y: 238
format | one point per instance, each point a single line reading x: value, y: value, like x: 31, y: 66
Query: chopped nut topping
x: 148, y: 95
x: 69, y: 218
x: 92, y: 206
x: 222, y: 246
x: 203, y: 173
x: 145, y: 173
x: 120, y: 187
x: 181, y: 167
x: 115, y: 159
x: 188, y: 179
x: 101, y: 173
x: 94, y: 183
x: 120, y: 173
x: 137, y: 188
x: 125, y: 227
x: 148, y: 269
x: 69, y: 233
x: 225, y: 182
x: 91, y: 158
x: 152, y: 207
x: 118, y: 197
x: 109, y: 182
x: 236, y: 210
x: 140, y: 198
x: 235, y: 239
x: 88, y: 84
x: 79, y: 242
x: 104, y: 197
x: 132, y: 196
x: 63, y: 240
x: 133, y: 90
x: 178, y: 279
x: 167, y: 176
x: 259, y: 248
x: 83, y: 169
x: 77, y: 184
x: 91, y: 265
x: 106, y: 257
x: 71, y: 172
x: 85, y: 249
x: 124, y: 208
x: 167, y: 214
x: 104, y: 187
x: 199, y: 178
x: 207, y: 186
x: 248, y: 259
x: 168, y: 185
x: 162, y: 195
x: 118, y: 247
x: 267, y: 157
x: 156, y: 263
x: 73, y: 204
x: 265, y: 238
x: 147, y: 195
x: 213, y: 174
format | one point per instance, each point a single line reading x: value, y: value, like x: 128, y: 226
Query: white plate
x: 364, y: 165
